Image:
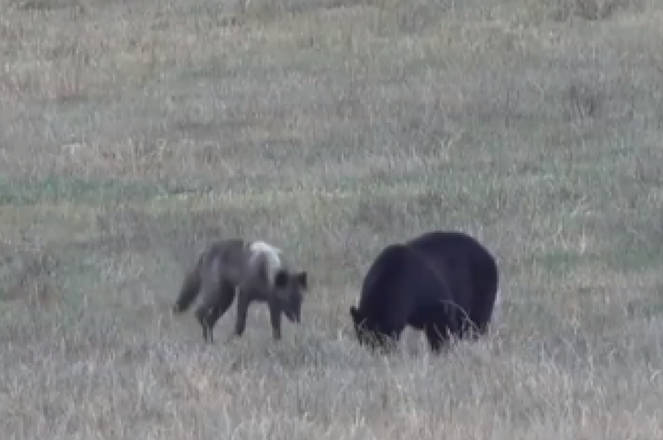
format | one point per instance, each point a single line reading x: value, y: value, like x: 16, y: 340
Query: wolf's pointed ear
x: 281, y: 278
x: 302, y: 279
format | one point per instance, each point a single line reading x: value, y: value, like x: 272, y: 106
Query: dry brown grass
x: 133, y: 132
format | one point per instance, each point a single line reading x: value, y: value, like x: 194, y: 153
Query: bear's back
x: 468, y: 268
x: 455, y: 253
x: 401, y: 283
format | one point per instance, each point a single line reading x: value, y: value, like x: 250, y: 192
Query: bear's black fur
x: 444, y: 283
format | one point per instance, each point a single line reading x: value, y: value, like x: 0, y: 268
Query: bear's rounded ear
x: 354, y: 313
x: 281, y: 278
x: 302, y: 279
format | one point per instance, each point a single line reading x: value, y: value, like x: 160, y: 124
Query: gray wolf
x: 252, y: 271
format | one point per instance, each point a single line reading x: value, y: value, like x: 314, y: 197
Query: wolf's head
x: 289, y: 288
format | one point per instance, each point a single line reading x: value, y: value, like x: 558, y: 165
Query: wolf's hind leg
x: 201, y: 313
x: 217, y: 297
x: 226, y: 295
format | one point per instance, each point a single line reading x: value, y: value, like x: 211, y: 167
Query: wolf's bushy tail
x: 189, y: 290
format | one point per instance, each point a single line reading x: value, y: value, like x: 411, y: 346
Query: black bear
x: 444, y: 283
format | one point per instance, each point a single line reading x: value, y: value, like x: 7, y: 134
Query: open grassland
x: 132, y: 133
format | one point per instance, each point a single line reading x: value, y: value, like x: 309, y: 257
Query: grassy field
x: 133, y: 132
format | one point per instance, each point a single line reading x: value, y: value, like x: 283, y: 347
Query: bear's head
x: 358, y: 321
x: 368, y: 332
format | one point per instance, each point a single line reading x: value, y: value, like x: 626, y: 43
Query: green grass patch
x: 561, y: 261
x: 61, y: 188
x: 635, y: 258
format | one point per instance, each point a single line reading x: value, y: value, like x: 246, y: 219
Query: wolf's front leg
x: 242, y: 308
x: 275, y: 317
